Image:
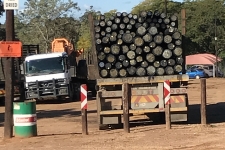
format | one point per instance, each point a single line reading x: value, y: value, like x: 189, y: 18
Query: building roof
x: 43, y: 56
x: 201, y: 59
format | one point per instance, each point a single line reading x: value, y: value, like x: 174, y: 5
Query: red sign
x: 25, y: 119
x: 10, y: 49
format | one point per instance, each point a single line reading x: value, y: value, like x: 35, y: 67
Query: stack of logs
x: 130, y: 45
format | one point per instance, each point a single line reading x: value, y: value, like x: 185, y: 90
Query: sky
x: 101, y: 5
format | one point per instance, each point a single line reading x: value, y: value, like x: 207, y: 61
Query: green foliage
x: 42, y: 21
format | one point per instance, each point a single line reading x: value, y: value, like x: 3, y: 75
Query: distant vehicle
x: 208, y: 70
x: 196, y: 73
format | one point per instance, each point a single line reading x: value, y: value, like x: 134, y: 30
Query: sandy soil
x: 59, y: 127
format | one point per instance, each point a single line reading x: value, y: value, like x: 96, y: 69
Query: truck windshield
x: 45, y: 66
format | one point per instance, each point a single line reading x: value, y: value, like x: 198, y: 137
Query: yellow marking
x: 143, y: 99
x: 176, y: 99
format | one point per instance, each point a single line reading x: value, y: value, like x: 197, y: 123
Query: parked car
x: 208, y: 70
x: 196, y: 73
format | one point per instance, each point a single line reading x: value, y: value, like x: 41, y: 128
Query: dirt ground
x: 59, y: 127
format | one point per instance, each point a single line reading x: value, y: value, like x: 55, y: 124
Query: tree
x: 46, y: 18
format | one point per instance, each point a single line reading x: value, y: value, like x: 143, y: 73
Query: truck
x: 56, y: 74
x: 146, y: 92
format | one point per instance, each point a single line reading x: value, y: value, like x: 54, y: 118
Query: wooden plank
x: 168, y: 117
x: 142, y: 80
x: 111, y: 94
x: 117, y: 112
x: 135, y: 92
x: 178, y: 91
x: 203, y: 102
x: 126, y: 99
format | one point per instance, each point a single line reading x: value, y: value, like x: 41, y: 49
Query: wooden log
x: 118, y: 65
x: 132, y: 47
x: 122, y: 58
x: 138, y: 41
x: 119, y: 41
x: 169, y: 70
x: 99, y: 48
x: 141, y: 31
x: 141, y: 71
x: 97, y: 35
x: 101, y: 64
x: 105, y: 40
x: 153, y: 30
x: 96, y: 23
x: 98, y: 41
x: 160, y: 71
x: 167, y: 54
x: 145, y: 25
x: 167, y: 39
x: 163, y: 26
x: 133, y: 62
x: 178, y: 68
x: 141, y: 19
x: 119, y: 36
x: 149, y: 14
x: 147, y: 37
x: 117, y: 20
x: 171, y: 46
x: 97, y: 29
x: 139, y: 59
x: 157, y: 51
x: 102, y: 17
x: 146, y: 49
x: 124, y: 14
x: 171, y: 62
x: 131, y: 70
x: 115, y: 49
x: 151, y: 70
x: 179, y: 60
x: 132, y: 22
x: 122, y: 26
x: 163, y: 15
x: 114, y: 27
x: 108, y: 66
x: 118, y: 14
x: 104, y: 73
x: 108, y: 29
x: 176, y: 35
x: 113, y: 38
x: 133, y: 34
x: 178, y: 42
x: 111, y: 18
x: 110, y: 58
x: 177, y: 51
x: 156, y: 64
x: 126, y: 63
x: 166, y: 20
x: 158, y: 39
x: 130, y: 16
x: 135, y: 17
x: 150, y: 57
x: 129, y: 26
x: 122, y: 73
x: 102, y: 23
x: 156, y: 13
x: 163, y: 63
x: 152, y: 44
x: 144, y: 64
x: 114, y: 33
x: 109, y: 23
x: 149, y: 20
x: 143, y: 14
x: 138, y: 51
x: 173, y: 18
x: 113, y: 73
x: 103, y: 33
x: 126, y: 20
x: 131, y: 54
x: 125, y: 49
x: 101, y: 56
x: 127, y: 38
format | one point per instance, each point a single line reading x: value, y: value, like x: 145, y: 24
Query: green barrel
x: 25, y: 120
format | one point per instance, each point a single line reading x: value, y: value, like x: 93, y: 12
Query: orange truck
x: 56, y: 74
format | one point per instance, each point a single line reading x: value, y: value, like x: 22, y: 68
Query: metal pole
x: 9, y: 71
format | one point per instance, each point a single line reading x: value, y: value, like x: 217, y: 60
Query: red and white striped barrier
x: 83, y: 96
x: 166, y: 89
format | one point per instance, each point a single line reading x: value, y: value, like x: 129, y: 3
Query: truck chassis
x: 146, y: 98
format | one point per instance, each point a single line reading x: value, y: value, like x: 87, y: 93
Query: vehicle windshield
x: 45, y: 66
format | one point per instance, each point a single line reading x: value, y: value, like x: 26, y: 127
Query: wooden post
x: 168, y: 117
x: 126, y: 95
x: 203, y: 102
x: 9, y: 72
x: 83, y: 96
